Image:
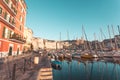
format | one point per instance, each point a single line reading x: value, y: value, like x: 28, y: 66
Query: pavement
x: 28, y: 70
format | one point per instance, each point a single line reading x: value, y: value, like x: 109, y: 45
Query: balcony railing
x: 10, y: 7
x: 17, y: 38
x: 7, y: 22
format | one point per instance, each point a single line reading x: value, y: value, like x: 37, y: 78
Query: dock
x: 45, y: 72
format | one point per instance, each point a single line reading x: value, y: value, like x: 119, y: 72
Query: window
x: 0, y: 10
x: 10, y: 4
x: 13, y: 21
x: 20, y: 18
x: 6, y: 33
x: 9, y: 33
x: 7, y: 1
x: 22, y: 10
x: 3, y: 35
x: 8, y: 17
x: 20, y: 27
x: 5, y: 16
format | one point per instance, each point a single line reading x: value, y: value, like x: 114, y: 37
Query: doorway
x: 18, y: 51
x: 10, y: 51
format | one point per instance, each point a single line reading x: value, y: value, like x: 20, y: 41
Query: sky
x: 49, y: 18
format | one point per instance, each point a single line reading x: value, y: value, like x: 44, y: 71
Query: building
x: 52, y: 44
x: 37, y: 43
x: 28, y: 35
x: 12, y: 22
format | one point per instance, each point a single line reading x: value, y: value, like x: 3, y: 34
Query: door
x: 18, y: 51
x: 10, y: 51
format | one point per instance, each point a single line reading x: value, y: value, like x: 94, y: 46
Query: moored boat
x: 76, y: 55
x: 68, y: 55
x: 56, y: 64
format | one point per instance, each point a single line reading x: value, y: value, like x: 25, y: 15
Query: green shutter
x: 3, y: 35
x: 0, y: 10
x: 5, y: 16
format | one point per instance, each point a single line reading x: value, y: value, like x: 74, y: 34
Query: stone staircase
x: 45, y: 74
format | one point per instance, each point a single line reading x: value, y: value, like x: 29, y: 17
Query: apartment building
x: 12, y: 22
x: 38, y: 43
x: 28, y: 35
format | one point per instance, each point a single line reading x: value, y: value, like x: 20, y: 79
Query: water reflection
x: 76, y: 69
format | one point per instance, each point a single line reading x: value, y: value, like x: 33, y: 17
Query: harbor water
x: 87, y: 70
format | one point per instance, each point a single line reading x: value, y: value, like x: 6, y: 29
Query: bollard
x: 30, y: 62
x: 36, y: 60
x: 14, y: 70
x: 24, y: 66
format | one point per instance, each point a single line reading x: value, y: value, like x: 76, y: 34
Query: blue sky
x: 47, y: 18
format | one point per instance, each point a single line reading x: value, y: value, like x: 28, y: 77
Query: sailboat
x: 116, y: 52
x: 87, y: 53
x: 60, y: 53
x: 68, y: 52
x: 110, y: 48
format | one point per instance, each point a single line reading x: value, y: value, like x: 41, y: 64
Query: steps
x: 45, y: 74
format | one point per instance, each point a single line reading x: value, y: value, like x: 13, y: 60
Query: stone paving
x: 29, y: 72
x: 45, y: 74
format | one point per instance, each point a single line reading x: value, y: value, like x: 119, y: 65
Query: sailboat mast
x: 86, y: 39
x: 119, y: 29
x: 82, y: 38
x: 95, y: 43
x: 110, y: 37
x: 116, y: 47
x: 68, y: 38
x: 102, y: 34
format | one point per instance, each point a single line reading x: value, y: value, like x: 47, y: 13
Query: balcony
x: 7, y: 22
x: 14, y: 1
x: 17, y: 38
x: 10, y: 7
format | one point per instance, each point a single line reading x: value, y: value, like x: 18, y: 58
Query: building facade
x: 12, y: 21
x: 39, y: 43
x: 28, y: 35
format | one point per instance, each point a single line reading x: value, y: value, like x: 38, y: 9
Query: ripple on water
x: 87, y: 70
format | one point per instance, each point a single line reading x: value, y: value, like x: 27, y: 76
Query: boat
x: 108, y: 55
x: 116, y: 54
x: 60, y: 55
x: 76, y: 55
x: 56, y: 64
x: 86, y: 55
x: 68, y: 55
x: 89, y: 54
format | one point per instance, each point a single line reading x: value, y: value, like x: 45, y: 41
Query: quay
x: 26, y: 70
x: 45, y: 72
